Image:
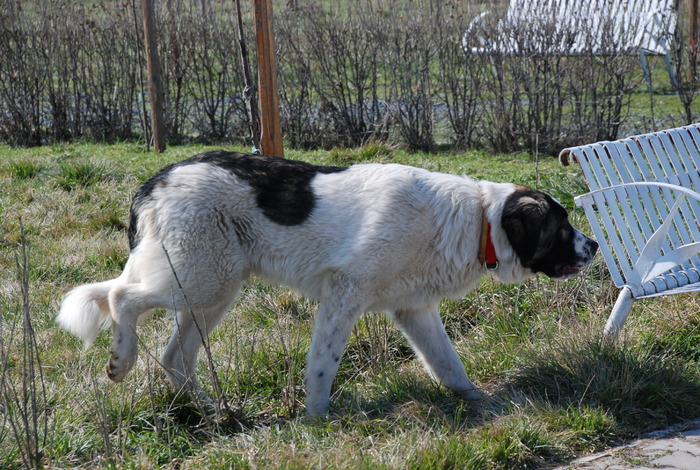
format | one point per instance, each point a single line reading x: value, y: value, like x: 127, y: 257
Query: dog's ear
x: 524, y: 217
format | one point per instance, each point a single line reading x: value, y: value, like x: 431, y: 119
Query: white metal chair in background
x: 644, y: 209
x: 575, y: 27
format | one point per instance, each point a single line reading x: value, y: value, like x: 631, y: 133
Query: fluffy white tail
x: 85, y: 310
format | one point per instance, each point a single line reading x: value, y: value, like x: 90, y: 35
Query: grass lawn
x: 536, y: 346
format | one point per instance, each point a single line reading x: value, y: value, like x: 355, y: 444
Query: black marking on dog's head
x: 539, y: 231
x: 282, y: 187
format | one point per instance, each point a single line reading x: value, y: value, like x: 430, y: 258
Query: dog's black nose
x: 591, y: 249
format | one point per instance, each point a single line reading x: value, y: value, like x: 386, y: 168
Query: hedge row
x: 75, y: 70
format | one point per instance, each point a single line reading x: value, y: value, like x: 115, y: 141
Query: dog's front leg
x: 334, y: 322
x: 427, y: 336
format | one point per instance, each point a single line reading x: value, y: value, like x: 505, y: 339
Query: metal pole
x: 693, y: 40
x: 155, y: 88
x: 250, y: 92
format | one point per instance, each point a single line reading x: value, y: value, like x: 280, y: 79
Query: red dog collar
x: 487, y: 252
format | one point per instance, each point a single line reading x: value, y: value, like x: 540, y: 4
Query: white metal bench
x: 578, y: 27
x: 644, y: 209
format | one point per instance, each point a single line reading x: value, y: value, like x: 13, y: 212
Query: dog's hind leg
x: 335, y: 319
x: 126, y: 303
x: 428, y: 338
x: 191, y: 329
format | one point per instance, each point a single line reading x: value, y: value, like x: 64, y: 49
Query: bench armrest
x: 673, y: 187
x: 470, y: 34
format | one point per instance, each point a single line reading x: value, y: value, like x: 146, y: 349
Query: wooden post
x: 693, y: 40
x: 271, y: 130
x: 155, y: 88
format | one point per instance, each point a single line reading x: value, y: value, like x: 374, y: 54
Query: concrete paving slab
x: 676, y: 448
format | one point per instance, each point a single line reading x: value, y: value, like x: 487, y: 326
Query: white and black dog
x: 364, y: 238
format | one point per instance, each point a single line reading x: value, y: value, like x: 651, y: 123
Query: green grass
x: 560, y: 390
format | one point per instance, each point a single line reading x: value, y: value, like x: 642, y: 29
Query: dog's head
x: 539, y: 231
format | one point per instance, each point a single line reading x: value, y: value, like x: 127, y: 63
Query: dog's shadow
x: 593, y: 391
x: 407, y: 401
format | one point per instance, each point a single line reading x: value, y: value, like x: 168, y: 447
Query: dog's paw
x: 481, y: 400
x: 474, y: 394
x: 317, y: 408
x: 116, y: 369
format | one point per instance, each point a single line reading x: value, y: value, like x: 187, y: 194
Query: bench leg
x: 619, y: 313
x: 671, y: 71
x: 645, y: 67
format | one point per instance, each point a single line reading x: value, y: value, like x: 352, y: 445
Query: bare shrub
x: 298, y: 109
x: 22, y: 388
x: 458, y: 81
x: 22, y: 87
x: 600, y: 87
x: 69, y: 72
x: 215, y: 83
x: 599, y: 90
x: 174, y: 28
x: 409, y: 51
x: 348, y: 74
x: 534, y: 98
x: 106, y: 73
x: 64, y: 99
x: 344, y: 60
x: 538, y: 98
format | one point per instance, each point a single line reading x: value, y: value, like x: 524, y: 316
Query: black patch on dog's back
x: 282, y: 187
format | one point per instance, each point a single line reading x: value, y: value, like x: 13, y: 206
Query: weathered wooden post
x: 271, y: 130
